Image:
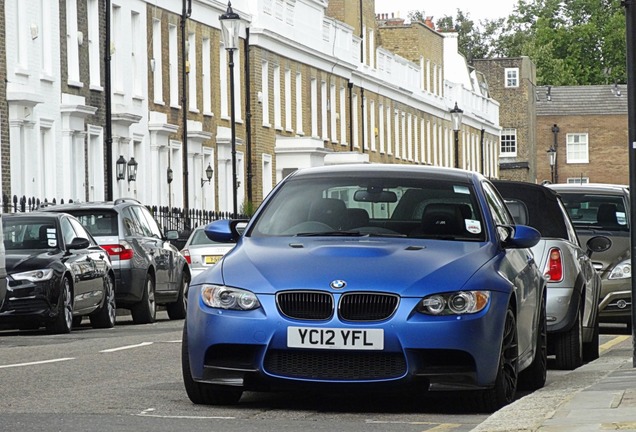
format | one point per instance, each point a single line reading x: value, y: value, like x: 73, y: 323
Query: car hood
x: 29, y: 260
x: 409, y: 267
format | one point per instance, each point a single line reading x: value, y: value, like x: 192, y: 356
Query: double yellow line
x: 612, y: 342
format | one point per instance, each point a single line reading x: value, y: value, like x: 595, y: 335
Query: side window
x: 143, y: 222
x: 80, y: 231
x: 68, y: 233
x: 131, y: 223
x: 500, y: 213
x: 151, y: 222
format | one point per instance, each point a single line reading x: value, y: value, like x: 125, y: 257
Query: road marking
x: 438, y: 427
x: 147, y: 413
x: 126, y: 347
x: 612, y: 342
x: 37, y: 362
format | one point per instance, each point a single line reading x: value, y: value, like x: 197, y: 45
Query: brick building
x: 312, y: 79
x: 511, y: 82
x: 587, y: 126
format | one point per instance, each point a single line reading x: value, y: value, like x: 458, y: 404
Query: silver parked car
x: 574, y: 286
x: 201, y: 252
x: 603, y: 209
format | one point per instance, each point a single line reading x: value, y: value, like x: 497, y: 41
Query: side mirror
x: 522, y: 236
x: 225, y: 230
x: 172, y: 235
x: 598, y: 244
x: 78, y: 243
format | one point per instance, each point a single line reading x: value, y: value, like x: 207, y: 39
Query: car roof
x: 102, y: 205
x: 589, y: 187
x: 389, y: 170
x: 544, y: 212
x: 35, y: 215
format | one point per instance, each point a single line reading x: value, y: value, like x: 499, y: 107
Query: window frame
x: 570, y: 153
x: 503, y: 153
x: 511, y: 82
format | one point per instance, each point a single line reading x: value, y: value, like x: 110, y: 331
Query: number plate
x: 335, y: 338
x: 211, y: 259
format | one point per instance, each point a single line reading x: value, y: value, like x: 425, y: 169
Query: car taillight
x: 554, y: 267
x: 121, y: 250
x: 186, y: 255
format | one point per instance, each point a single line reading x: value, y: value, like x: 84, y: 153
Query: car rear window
x: 199, y: 238
x: 599, y: 211
x: 98, y: 223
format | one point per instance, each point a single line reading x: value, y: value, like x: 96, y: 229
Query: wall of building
x: 598, y: 113
x: 518, y: 113
x: 316, y: 87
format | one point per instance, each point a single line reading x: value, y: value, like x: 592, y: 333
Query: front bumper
x: 616, y: 301
x: 28, y: 302
x: 249, y: 348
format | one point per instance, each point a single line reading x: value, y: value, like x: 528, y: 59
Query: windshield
x: 356, y: 206
x: 598, y: 211
x: 28, y: 234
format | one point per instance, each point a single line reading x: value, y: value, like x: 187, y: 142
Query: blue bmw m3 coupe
x: 369, y: 275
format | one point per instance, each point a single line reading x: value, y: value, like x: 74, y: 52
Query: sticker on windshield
x: 50, y: 235
x: 461, y: 190
x: 473, y: 226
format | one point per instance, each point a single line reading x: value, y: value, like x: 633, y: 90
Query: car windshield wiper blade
x: 332, y: 234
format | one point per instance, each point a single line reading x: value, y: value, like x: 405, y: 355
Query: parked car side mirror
x: 522, y: 236
x: 172, y: 235
x: 598, y: 244
x: 79, y: 243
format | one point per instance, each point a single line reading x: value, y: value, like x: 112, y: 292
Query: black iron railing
x: 169, y: 218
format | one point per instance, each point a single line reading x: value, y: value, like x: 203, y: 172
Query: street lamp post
x: 456, y: 116
x: 552, y: 160
x: 555, y: 146
x: 230, y: 26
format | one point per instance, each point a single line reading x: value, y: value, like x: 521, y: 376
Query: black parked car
x: 56, y: 273
x: 149, y: 270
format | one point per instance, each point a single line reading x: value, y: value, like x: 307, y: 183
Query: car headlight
x: 223, y: 297
x: 33, y: 275
x: 455, y: 303
x: 622, y: 270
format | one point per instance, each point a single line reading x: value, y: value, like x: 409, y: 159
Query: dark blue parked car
x: 369, y: 276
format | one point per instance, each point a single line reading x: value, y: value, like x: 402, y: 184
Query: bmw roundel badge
x: 338, y: 284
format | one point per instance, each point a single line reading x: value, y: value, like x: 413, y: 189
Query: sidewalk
x: 599, y: 396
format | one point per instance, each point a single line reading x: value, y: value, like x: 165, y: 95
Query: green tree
x: 572, y: 42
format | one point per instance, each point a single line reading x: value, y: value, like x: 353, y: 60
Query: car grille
x: 305, y: 305
x: 310, y: 305
x: 367, y: 306
x: 335, y: 365
x: 26, y: 306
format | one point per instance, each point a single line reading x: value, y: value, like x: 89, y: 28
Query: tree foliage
x: 571, y: 42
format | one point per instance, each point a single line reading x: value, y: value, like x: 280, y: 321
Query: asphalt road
x: 129, y: 379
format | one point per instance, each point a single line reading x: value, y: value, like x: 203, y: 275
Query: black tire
x: 177, y: 310
x: 591, y: 348
x: 105, y: 316
x: 63, y: 322
x: 145, y: 311
x: 534, y: 376
x: 202, y: 393
x: 569, y: 346
x: 505, y: 388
